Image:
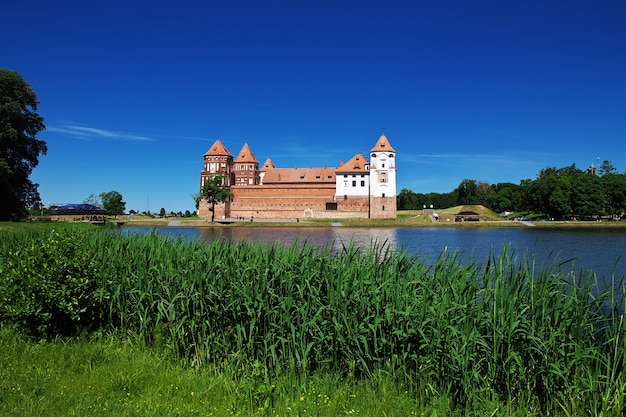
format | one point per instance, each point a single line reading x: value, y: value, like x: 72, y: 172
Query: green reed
x: 507, y: 330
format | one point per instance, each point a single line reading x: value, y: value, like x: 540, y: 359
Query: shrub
x: 48, y: 285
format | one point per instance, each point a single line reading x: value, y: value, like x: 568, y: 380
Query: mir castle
x: 355, y: 189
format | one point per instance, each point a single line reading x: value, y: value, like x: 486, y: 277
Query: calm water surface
x: 601, y: 250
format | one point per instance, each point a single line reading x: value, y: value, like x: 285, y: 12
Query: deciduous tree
x: 19, y: 147
x: 113, y: 203
x: 607, y: 167
x: 466, y: 192
x: 213, y: 191
x: 92, y: 199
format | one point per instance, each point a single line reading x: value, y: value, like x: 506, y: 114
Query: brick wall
x: 296, y: 202
x: 383, y: 208
x: 222, y: 210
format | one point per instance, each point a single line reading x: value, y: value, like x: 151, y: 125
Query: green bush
x: 48, y: 285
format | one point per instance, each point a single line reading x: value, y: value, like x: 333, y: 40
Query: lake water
x: 601, y: 250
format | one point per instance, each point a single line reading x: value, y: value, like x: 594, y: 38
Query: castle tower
x: 382, y: 180
x: 217, y: 161
x: 246, y: 168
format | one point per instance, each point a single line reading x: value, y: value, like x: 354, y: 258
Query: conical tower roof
x: 218, y: 149
x: 268, y: 164
x: 382, y: 145
x: 246, y: 155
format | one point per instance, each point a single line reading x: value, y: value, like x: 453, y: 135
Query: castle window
x: 373, y: 155
x: 362, y: 183
x: 354, y: 183
x: 345, y: 196
x: 383, y: 165
x: 345, y: 175
x: 383, y: 208
x: 383, y: 195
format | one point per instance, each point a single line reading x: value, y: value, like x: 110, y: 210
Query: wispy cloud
x: 82, y: 132
x: 467, y: 159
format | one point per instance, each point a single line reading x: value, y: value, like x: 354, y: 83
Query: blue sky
x: 133, y: 93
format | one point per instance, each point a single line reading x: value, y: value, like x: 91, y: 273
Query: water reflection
x: 599, y: 249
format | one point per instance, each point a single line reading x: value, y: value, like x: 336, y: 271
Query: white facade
x: 383, y: 173
x: 352, y: 184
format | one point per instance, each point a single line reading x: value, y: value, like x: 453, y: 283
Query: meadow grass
x: 271, y: 323
x: 116, y: 374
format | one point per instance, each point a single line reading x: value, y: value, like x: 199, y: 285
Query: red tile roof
x: 382, y: 145
x: 246, y: 155
x: 299, y: 175
x: 356, y: 164
x: 218, y: 149
x: 268, y: 164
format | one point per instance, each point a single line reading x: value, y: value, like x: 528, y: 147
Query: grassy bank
x: 267, y: 327
x: 404, y: 218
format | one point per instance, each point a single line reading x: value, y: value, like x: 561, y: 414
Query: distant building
x: 466, y: 216
x: 356, y: 189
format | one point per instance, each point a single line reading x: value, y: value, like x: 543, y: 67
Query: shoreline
x: 365, y: 223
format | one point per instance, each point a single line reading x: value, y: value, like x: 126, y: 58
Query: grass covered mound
x: 506, y: 332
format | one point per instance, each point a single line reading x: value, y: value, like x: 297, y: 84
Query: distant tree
x: 484, y: 194
x: 559, y: 206
x: 92, y: 199
x: 162, y: 212
x: 213, y: 191
x: 407, y: 200
x: 187, y: 213
x: 553, y: 192
x: 614, y: 186
x: 569, y: 170
x: 19, y: 146
x: 587, y: 195
x: 505, y: 197
x: 466, y: 192
x: 447, y: 199
x: 113, y: 203
x: 606, y: 167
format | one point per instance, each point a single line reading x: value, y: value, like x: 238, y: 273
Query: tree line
x: 557, y: 193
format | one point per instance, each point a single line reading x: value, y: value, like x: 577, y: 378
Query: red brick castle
x: 356, y: 189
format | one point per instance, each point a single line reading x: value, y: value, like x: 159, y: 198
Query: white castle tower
x: 382, y: 180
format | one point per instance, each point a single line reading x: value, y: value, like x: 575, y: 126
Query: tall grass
x: 508, y: 331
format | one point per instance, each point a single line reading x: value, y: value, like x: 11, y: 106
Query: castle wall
x: 279, y: 202
x: 294, y: 201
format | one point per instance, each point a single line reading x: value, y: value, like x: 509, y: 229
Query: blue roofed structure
x: 78, y: 209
